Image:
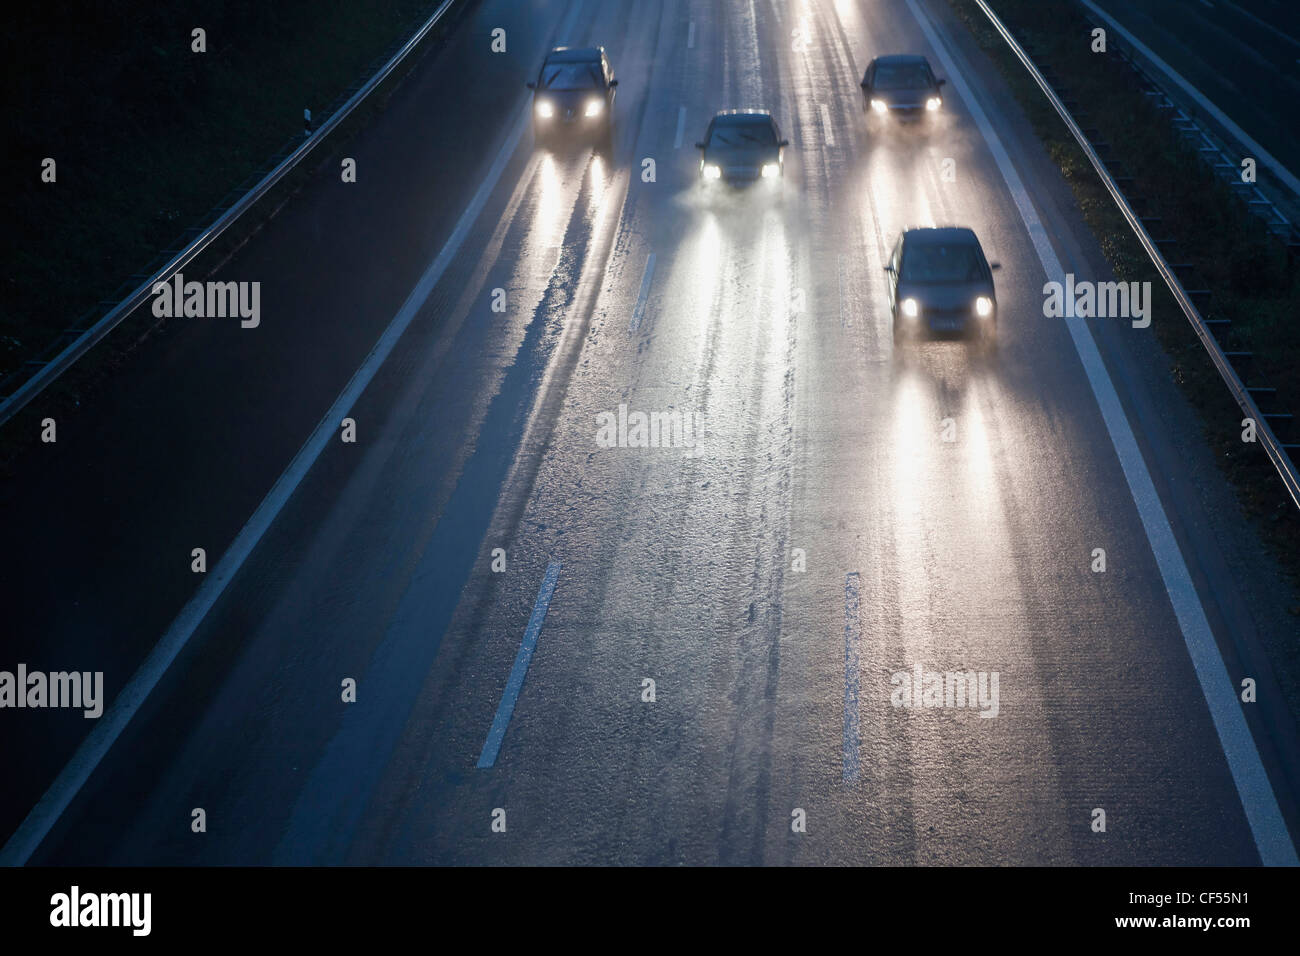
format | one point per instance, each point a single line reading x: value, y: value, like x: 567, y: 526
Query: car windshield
x: 942, y: 262
x: 747, y: 134
x: 569, y: 76
x: 901, y: 76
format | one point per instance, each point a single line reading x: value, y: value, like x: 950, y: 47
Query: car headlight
x: 910, y: 308
x: 594, y: 107
x: 771, y: 170
x: 710, y: 171
x: 879, y: 106
x: 983, y: 307
x: 544, y: 109
x: 933, y: 103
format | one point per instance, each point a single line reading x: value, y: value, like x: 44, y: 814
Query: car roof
x: 933, y: 235
x: 901, y: 59
x: 740, y: 117
x: 565, y: 54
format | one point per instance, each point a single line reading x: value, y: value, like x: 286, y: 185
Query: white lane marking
x: 492, y: 746
x: 1257, y: 797
x: 638, y: 311
x: 1259, y: 151
x: 690, y: 37
x: 42, y: 817
x: 681, y: 127
x: 852, y: 676
x: 828, y: 131
x: 839, y: 282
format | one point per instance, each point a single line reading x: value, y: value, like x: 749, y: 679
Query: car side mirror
x: 531, y: 85
x: 889, y: 268
x: 784, y: 142
x: 995, y: 266
x: 865, y: 85
x: 699, y: 145
x: 613, y: 83
x: 942, y: 82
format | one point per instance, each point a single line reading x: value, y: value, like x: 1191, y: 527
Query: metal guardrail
x: 56, y: 366
x: 1197, y: 108
x: 1277, y: 454
x: 1226, y: 166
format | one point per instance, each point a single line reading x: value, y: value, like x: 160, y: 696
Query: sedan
x: 742, y: 146
x: 573, y: 95
x: 940, y: 282
x: 902, y: 87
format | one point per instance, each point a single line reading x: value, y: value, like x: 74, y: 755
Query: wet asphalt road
x: 819, y: 536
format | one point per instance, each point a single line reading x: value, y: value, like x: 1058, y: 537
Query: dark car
x: 940, y: 282
x: 573, y: 95
x: 903, y: 87
x: 742, y: 146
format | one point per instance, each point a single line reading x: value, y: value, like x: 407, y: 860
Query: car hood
x: 905, y: 98
x: 945, y: 295
x: 749, y: 156
x: 569, y: 99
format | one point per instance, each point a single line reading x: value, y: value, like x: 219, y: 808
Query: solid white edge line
x: 83, y: 762
x: 1269, y: 160
x: 1269, y: 829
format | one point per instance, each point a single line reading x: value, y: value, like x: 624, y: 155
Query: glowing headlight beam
x: 544, y: 109
x: 910, y: 308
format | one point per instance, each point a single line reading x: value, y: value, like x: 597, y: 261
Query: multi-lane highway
x: 845, y: 511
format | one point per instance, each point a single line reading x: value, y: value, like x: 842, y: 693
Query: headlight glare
x: 983, y: 307
x: 771, y: 170
x: 879, y: 106
x: 910, y: 308
x: 544, y: 109
x: 933, y: 103
x: 594, y: 107
x: 711, y: 171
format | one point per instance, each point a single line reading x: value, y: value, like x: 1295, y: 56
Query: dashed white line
x: 497, y: 733
x: 828, y: 131
x: 852, y: 677
x: 638, y: 312
x: 839, y: 284
x: 681, y: 127
x: 690, y: 37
